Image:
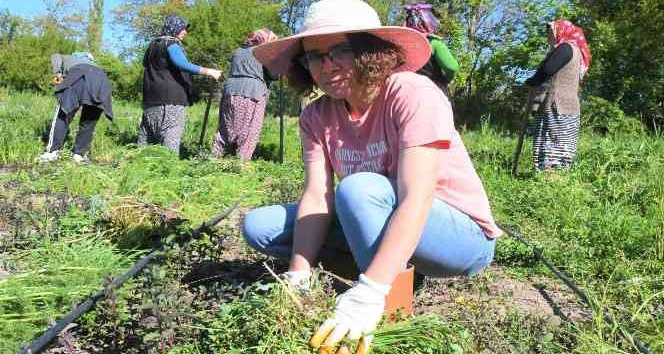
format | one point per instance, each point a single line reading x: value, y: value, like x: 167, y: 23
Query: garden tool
x: 56, y: 112
x: 519, y: 144
x: 536, y: 97
x: 281, y: 121
x: 213, y: 89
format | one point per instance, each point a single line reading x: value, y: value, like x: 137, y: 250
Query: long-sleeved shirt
x: 444, y: 58
x: 247, y: 77
x: 62, y: 63
x: 179, y: 59
x: 551, y: 64
x: 561, y: 69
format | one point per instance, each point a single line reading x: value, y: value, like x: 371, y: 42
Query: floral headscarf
x: 565, y: 31
x: 420, y: 17
x: 173, y: 25
x: 82, y: 55
x: 260, y: 36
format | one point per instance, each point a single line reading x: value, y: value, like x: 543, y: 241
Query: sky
x: 112, y: 35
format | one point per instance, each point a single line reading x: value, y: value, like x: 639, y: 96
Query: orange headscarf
x: 565, y: 31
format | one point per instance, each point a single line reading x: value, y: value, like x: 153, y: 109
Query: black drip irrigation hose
x: 641, y: 346
x: 40, y: 343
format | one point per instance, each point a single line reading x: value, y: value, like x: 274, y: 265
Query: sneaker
x: 80, y: 158
x: 49, y: 156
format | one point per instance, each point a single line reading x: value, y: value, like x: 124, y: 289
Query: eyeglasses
x: 340, y: 54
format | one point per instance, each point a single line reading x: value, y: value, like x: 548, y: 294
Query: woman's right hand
x: 216, y: 74
x: 57, y: 79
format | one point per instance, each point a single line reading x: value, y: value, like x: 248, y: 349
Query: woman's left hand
x: 355, y: 316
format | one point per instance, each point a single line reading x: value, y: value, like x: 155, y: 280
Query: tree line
x: 498, y: 44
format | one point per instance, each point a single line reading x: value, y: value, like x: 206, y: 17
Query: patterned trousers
x: 162, y: 125
x: 555, y: 138
x: 240, y: 123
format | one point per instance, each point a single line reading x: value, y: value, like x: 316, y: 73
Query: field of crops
x: 66, y: 230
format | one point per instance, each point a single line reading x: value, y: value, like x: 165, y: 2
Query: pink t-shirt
x: 409, y: 111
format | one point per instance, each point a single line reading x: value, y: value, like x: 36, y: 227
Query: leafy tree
x: 145, y: 17
x: 292, y: 13
x: 63, y: 17
x: 127, y: 77
x: 11, y: 26
x: 25, y: 62
x: 221, y: 26
x: 95, y: 25
x: 626, y: 39
x: 497, y: 43
x: 389, y: 11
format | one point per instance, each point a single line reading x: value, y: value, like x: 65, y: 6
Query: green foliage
x: 497, y: 44
x: 146, y: 17
x: 25, y: 63
x: 95, y: 25
x: 385, y: 9
x: 221, y: 26
x: 11, y: 26
x: 604, y: 117
x: 53, y: 275
x: 166, y: 302
x: 626, y: 43
x: 126, y: 77
x: 601, y: 220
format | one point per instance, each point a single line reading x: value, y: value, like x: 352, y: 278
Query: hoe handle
x: 519, y: 144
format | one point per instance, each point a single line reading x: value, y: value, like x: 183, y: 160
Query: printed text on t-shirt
x: 370, y: 159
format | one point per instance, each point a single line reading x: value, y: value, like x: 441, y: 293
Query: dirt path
x: 502, y: 293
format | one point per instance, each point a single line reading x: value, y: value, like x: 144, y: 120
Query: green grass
x: 52, y: 277
x: 602, y: 222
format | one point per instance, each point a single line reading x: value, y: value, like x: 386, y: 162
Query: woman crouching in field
x: 408, y: 191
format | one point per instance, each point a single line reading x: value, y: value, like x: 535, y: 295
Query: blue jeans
x: 451, y: 243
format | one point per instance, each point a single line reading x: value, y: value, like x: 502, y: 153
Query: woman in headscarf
x: 554, y: 96
x: 242, y: 106
x: 167, y: 86
x: 81, y: 83
x: 441, y: 67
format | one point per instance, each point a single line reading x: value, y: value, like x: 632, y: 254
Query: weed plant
x: 52, y: 278
x: 267, y: 320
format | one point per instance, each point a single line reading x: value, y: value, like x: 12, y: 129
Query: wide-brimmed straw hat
x: 343, y: 17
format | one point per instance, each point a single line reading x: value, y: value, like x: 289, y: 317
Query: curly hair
x: 375, y: 60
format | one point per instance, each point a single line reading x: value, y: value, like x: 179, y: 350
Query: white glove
x: 356, y: 315
x: 216, y: 74
x: 298, y: 279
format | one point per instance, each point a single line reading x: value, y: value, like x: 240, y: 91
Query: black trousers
x: 86, y: 128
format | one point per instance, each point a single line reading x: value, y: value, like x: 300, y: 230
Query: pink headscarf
x: 565, y: 31
x: 260, y: 36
